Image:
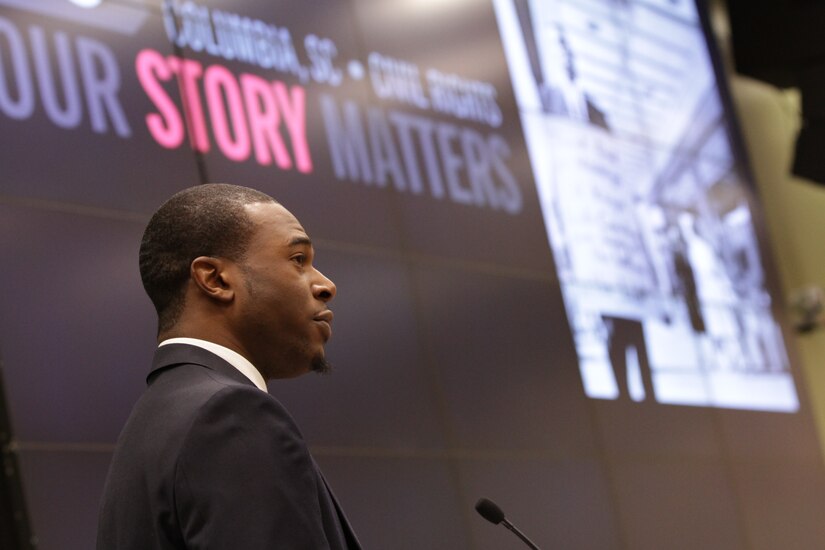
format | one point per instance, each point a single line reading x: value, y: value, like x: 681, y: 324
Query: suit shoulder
x: 191, y: 381
x: 242, y: 405
x: 240, y: 428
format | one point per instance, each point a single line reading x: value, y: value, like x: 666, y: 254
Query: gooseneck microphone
x: 490, y: 511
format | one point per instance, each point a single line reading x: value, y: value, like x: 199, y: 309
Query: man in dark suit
x: 208, y: 459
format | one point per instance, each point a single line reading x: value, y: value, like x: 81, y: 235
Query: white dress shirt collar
x: 233, y: 358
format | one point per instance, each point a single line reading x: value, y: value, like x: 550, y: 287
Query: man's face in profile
x: 282, y: 315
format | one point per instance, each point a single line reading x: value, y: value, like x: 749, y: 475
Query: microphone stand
x: 519, y: 534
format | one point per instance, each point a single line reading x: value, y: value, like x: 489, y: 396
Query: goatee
x: 320, y: 365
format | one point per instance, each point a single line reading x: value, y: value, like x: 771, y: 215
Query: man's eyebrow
x: 302, y: 240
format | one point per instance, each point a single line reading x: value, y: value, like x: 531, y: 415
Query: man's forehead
x: 272, y: 217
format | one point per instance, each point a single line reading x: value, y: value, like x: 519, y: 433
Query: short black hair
x: 205, y: 220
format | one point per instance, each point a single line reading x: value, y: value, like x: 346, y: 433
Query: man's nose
x: 323, y: 288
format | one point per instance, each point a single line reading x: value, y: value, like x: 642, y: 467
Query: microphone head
x: 489, y: 510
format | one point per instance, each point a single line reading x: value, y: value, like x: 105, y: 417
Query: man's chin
x: 320, y: 365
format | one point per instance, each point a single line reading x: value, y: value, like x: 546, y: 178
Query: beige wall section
x: 795, y: 212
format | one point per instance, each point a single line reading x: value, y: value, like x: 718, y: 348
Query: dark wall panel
x: 679, y: 505
x: 503, y: 361
x: 634, y: 429
x: 63, y: 488
x: 381, y: 393
x: 404, y: 502
x: 779, y: 502
x: 558, y: 503
x: 72, y: 296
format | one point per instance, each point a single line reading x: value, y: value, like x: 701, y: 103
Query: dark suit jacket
x: 209, y: 461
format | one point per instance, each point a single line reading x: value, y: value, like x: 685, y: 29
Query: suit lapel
x: 171, y: 355
x: 349, y: 535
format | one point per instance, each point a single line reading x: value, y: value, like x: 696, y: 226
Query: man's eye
x: 299, y: 259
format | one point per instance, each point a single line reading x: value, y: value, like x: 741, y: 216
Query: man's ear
x: 212, y: 278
